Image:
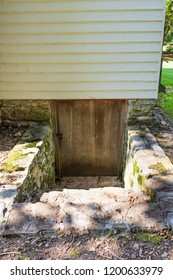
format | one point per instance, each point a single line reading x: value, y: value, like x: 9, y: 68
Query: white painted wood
x: 82, y: 38
x: 80, y: 58
x: 79, y: 77
x: 77, y: 86
x: 94, y: 27
x: 47, y: 95
x: 80, y: 49
x: 78, y: 17
x: 78, y: 68
x: 58, y: 6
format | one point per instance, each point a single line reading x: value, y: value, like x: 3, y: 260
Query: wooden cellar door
x: 89, y: 137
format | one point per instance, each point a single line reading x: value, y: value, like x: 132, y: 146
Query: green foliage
x: 166, y: 103
x: 167, y: 77
x: 168, y: 31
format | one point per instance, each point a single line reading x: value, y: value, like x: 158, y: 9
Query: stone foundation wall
x: 24, y: 112
x: 140, y: 111
x: 30, y: 165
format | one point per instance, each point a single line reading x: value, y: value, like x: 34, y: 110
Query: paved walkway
x: 167, y: 64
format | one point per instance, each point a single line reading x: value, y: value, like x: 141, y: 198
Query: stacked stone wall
x: 24, y: 112
x: 140, y: 111
x: 30, y: 165
x: 147, y: 167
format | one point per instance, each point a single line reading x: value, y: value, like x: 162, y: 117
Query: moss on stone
x: 140, y: 180
x: 10, y: 163
x: 31, y: 145
x: 159, y: 167
x: 131, y: 182
x: 148, y: 237
x: 136, y: 169
x: 149, y: 192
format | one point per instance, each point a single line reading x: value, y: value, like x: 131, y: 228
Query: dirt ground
x: 162, y: 129
x: 9, y: 136
x: 103, y: 245
x: 93, y: 246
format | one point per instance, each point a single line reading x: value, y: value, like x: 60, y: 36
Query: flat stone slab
x: 146, y: 216
x: 2, y: 208
x: 8, y: 194
x: 28, y: 218
x: 97, y: 195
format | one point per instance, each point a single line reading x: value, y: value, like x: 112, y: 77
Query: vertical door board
x: 90, y: 134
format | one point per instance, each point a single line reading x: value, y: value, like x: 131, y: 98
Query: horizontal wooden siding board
x: 81, y: 77
x: 82, y: 38
x: 95, y: 27
x: 79, y: 48
x: 80, y: 58
x: 73, y: 68
x: 24, y: 94
x: 59, y: 6
x: 77, y: 86
x: 108, y: 16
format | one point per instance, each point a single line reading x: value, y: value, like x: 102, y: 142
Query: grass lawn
x: 166, y: 103
x: 167, y: 77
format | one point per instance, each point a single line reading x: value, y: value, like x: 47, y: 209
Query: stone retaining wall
x: 29, y: 167
x: 147, y: 168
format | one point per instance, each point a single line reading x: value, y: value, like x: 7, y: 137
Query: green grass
x: 167, y: 77
x: 166, y: 103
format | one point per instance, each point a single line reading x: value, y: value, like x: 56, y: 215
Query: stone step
x: 96, y: 195
x: 84, y: 210
x: 29, y: 218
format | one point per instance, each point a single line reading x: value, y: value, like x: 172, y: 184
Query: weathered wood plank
x: 90, y: 137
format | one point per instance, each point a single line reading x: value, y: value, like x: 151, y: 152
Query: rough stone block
x: 147, y: 167
x: 8, y: 195
x: 169, y: 220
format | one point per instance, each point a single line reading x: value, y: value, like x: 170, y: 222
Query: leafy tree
x: 168, y: 35
x: 168, y: 31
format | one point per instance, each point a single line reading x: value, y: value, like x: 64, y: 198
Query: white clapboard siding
x: 58, y: 6
x: 61, y: 86
x: 82, y: 38
x: 80, y: 49
x: 80, y: 77
x: 80, y: 58
x: 78, y: 17
x: 79, y: 68
x: 94, y: 27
